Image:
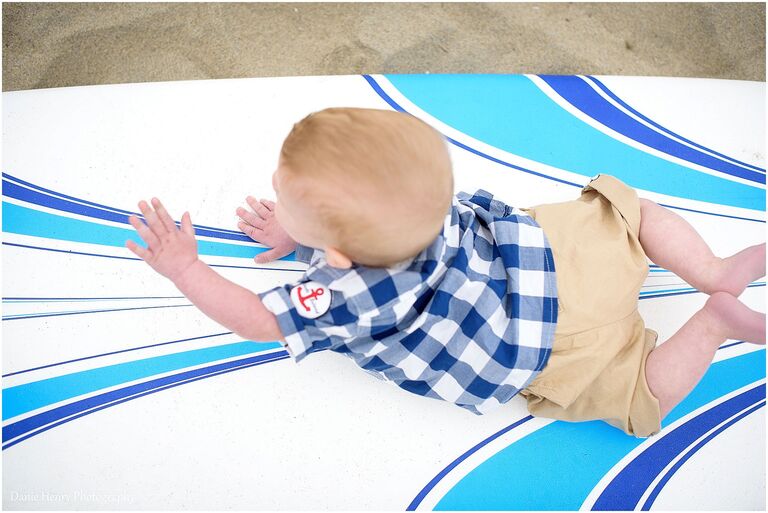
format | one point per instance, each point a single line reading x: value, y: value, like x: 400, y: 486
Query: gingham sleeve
x: 303, y: 335
x: 304, y: 254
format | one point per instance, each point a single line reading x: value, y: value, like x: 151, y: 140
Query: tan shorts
x: 597, y: 366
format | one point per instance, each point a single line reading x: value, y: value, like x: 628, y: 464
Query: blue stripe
x: 511, y: 113
x: 684, y: 289
x: 513, y: 166
x: 26, y: 221
x: 655, y: 296
x: 586, y: 452
x: 578, y: 93
x: 13, y: 190
x: 377, y: 88
x: 655, y: 492
x: 660, y: 284
x: 37, y: 394
x: 423, y: 493
x: 384, y: 96
x: 17, y: 317
x: 52, y: 418
x: 428, y: 488
x: 712, y: 213
x: 636, y: 113
x: 628, y: 486
x: 116, y: 352
x: 78, y: 299
x: 652, y: 295
x: 70, y: 252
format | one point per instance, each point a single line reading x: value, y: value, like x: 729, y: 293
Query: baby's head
x: 368, y: 186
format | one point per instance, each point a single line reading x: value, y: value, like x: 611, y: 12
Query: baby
x: 464, y: 298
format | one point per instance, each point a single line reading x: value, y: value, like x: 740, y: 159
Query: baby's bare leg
x: 672, y: 243
x: 677, y: 365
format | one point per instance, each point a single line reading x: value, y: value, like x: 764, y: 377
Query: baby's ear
x: 337, y: 259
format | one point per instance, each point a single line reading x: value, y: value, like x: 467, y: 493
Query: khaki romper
x: 597, y: 366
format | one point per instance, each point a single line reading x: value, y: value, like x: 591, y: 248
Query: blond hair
x: 379, y: 182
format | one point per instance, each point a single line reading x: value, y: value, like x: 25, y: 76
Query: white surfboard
x: 118, y: 394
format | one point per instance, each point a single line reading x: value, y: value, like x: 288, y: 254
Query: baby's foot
x: 739, y: 270
x: 736, y: 320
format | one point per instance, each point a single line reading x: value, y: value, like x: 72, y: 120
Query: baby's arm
x: 229, y: 304
x: 173, y: 253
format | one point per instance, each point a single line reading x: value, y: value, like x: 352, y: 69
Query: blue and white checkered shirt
x: 469, y: 320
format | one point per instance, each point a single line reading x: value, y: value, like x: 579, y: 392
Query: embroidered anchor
x: 313, y: 295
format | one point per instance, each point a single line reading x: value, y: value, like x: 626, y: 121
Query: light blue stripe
x: 26, y: 221
x: 521, y: 476
x: 666, y: 290
x: 511, y: 113
x: 689, y: 289
x: 30, y: 396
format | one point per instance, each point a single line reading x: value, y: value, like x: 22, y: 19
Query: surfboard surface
x: 119, y: 394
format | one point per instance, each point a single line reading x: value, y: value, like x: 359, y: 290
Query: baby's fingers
x: 145, y: 233
x: 259, y: 207
x: 186, y: 224
x: 137, y: 250
x: 153, y: 221
x: 252, y: 232
x: 163, y: 215
x: 250, y: 218
x: 268, y: 256
x: 252, y: 202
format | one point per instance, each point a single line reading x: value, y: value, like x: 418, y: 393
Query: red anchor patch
x: 313, y: 295
x: 311, y: 299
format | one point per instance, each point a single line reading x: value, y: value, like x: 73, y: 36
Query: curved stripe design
x: 680, y: 292
x: 17, y: 317
x: 587, y: 450
x: 20, y: 189
x: 423, y: 493
x: 578, y: 93
x: 28, y: 221
x: 384, y: 96
x: 511, y: 113
x: 37, y: 394
x: 626, y: 489
x: 36, y: 424
x: 377, y: 88
x: 711, y: 213
x: 661, y: 128
x: 115, y: 257
x: 657, y: 489
x: 28, y: 300
x: 117, y: 352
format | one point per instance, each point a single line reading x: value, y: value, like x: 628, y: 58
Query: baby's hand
x: 169, y: 251
x: 262, y: 226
